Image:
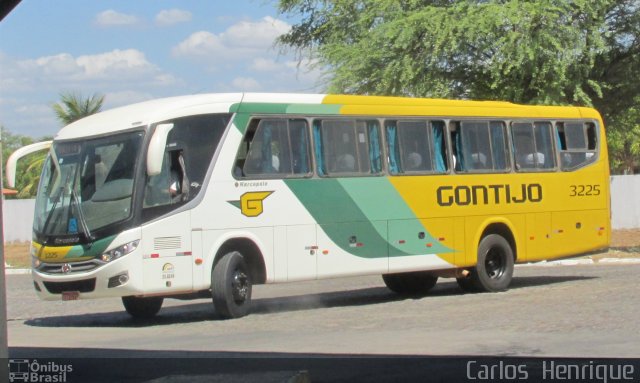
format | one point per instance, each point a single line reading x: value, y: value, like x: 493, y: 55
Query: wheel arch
x: 251, y: 253
x: 504, y: 228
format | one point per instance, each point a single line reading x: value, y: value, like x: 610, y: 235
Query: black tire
x: 494, y: 269
x: 414, y: 283
x: 142, y: 307
x: 231, y: 286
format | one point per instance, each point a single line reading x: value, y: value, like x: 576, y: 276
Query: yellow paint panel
x: 538, y: 237
x: 574, y: 232
x: 378, y: 106
x: 443, y: 231
x: 51, y: 253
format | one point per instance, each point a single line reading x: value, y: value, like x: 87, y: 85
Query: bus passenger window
x: 480, y: 146
x: 274, y: 148
x: 533, y: 146
x: 577, y: 142
x: 347, y: 147
x: 415, y: 146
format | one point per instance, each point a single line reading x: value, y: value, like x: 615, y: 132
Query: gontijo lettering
x: 488, y: 194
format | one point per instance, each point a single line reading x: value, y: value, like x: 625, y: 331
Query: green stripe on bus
x: 243, y: 111
x: 240, y: 120
x: 95, y: 250
x: 339, y: 216
x: 378, y: 199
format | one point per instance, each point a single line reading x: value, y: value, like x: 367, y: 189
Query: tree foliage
x: 624, y: 140
x: 73, y: 106
x: 29, y: 168
x: 580, y: 52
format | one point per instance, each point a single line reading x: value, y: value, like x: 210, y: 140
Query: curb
x: 8, y: 271
x: 577, y: 262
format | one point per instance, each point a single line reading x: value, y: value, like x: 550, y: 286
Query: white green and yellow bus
x: 208, y: 195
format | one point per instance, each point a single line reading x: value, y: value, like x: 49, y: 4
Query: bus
x: 208, y: 195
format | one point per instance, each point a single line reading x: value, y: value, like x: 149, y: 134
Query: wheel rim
x: 495, y: 263
x: 240, y: 286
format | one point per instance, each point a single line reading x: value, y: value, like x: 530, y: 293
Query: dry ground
x: 625, y: 243
x: 625, y: 238
x: 16, y: 254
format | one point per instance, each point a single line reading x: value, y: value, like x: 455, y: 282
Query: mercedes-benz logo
x: 66, y: 268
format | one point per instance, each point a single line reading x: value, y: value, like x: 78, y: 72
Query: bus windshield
x: 87, y: 185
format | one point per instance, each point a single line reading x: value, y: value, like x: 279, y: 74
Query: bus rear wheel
x: 231, y: 286
x: 494, y: 269
x: 414, y: 283
x: 142, y: 307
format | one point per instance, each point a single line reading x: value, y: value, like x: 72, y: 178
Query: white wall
x: 17, y: 219
x: 625, y: 209
x: 625, y: 202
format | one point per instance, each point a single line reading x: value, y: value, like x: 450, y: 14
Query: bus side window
x: 480, y: 146
x: 349, y: 147
x: 577, y: 142
x: 167, y: 187
x: 533, y: 146
x: 190, y: 148
x: 274, y: 148
x: 415, y: 146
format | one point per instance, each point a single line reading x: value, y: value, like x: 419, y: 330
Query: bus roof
x: 148, y: 112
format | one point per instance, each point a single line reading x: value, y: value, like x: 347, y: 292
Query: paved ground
x: 568, y: 311
x: 349, y: 330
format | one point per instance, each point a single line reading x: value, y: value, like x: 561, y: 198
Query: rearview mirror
x: 157, y: 146
x: 12, y: 161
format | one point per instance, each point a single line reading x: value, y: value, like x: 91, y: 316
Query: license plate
x: 70, y: 295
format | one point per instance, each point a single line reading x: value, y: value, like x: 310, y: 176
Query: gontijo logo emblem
x: 250, y: 203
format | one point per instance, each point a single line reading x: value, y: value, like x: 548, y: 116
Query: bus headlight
x: 119, y: 251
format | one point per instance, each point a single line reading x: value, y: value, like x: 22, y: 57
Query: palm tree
x: 73, y: 106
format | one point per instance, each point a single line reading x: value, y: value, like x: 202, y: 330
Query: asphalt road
x: 589, y: 311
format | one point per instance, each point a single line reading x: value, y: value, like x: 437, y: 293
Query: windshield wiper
x: 81, y: 217
x: 50, y: 215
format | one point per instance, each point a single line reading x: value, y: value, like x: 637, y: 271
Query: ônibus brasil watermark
x: 32, y: 371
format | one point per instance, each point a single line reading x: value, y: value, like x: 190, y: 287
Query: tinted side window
x: 415, y: 146
x: 274, y: 148
x: 578, y: 143
x: 347, y: 147
x: 191, y: 144
x: 533, y: 146
x: 480, y: 146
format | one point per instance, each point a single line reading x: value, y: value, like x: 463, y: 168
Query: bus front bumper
x: 121, y: 277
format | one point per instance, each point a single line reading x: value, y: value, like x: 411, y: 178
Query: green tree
x: 624, y: 140
x: 580, y: 52
x: 28, y: 168
x: 73, y: 106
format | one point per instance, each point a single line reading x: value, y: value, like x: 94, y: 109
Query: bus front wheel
x: 414, y: 283
x: 231, y: 286
x: 494, y: 268
x: 142, y: 307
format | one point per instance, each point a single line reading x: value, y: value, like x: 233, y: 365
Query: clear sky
x: 132, y: 51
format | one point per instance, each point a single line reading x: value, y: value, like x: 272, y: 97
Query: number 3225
x: 584, y: 190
